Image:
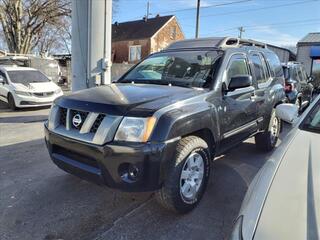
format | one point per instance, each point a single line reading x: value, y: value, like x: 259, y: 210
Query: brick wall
x: 165, y: 36
x: 121, y: 49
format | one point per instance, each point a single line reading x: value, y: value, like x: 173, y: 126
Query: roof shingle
x: 139, y: 29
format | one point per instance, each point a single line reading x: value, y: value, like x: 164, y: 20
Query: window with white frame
x: 134, y: 53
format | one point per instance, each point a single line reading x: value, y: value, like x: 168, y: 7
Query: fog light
x: 129, y: 172
x: 133, y: 172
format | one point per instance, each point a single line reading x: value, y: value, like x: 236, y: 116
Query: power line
x: 258, y: 9
x: 234, y: 30
x: 271, y: 24
x: 210, y: 6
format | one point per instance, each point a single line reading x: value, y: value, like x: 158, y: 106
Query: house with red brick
x: 134, y: 40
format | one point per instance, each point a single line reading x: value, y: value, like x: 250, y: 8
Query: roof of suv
x: 215, y: 42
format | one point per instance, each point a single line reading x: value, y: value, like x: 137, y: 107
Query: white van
x: 24, y: 87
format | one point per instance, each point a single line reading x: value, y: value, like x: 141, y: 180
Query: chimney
x: 145, y: 19
x: 158, y: 15
x: 116, y: 23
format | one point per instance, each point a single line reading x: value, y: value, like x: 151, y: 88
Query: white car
x: 283, y: 200
x: 24, y: 87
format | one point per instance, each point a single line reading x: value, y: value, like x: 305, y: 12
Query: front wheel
x: 187, y: 177
x: 11, y: 102
x: 267, y: 140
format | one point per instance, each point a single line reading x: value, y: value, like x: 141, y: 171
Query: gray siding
x: 283, y: 54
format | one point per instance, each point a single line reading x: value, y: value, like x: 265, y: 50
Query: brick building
x: 132, y: 41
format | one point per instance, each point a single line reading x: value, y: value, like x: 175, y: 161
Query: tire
x: 11, y: 102
x: 176, y: 192
x: 267, y: 140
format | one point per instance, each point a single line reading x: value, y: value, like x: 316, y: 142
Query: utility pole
x: 91, y: 43
x: 148, y: 10
x: 241, y: 30
x: 197, y: 19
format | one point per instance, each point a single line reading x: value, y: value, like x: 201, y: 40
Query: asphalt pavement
x: 40, y: 201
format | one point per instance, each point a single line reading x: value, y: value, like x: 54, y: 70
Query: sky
x: 279, y: 22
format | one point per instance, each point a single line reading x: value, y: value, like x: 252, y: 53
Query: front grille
x: 97, y: 123
x: 82, y: 125
x: 43, y: 94
x: 83, y: 116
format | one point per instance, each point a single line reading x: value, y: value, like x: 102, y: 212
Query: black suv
x: 298, y: 86
x: 159, y: 127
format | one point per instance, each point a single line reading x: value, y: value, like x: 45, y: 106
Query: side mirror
x: 240, y: 81
x: 1, y: 80
x: 287, y: 112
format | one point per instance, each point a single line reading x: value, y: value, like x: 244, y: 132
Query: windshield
x: 186, y: 69
x: 26, y: 77
x: 312, y: 121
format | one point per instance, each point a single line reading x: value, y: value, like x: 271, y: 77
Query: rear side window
x: 237, y: 66
x: 3, y: 76
x: 275, y: 65
x: 258, y: 68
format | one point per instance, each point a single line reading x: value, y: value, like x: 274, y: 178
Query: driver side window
x: 4, y: 77
x: 237, y: 66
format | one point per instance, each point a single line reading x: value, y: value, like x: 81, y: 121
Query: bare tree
x: 28, y: 23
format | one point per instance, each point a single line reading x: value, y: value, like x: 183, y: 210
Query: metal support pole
x: 91, y: 43
x: 197, y: 18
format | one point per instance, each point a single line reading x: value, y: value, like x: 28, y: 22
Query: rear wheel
x: 11, y: 102
x: 267, y: 140
x: 187, y: 176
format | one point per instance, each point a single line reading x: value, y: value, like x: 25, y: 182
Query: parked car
x: 299, y: 89
x: 283, y: 201
x: 159, y: 127
x: 47, y: 65
x: 23, y: 87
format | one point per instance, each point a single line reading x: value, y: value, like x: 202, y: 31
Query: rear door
x: 263, y: 80
x: 239, y: 110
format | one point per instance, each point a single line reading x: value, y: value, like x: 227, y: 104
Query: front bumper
x: 32, y: 101
x: 108, y: 164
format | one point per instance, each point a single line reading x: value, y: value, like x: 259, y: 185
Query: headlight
x: 23, y: 93
x: 52, y: 118
x: 58, y: 91
x: 134, y: 129
x: 237, y: 230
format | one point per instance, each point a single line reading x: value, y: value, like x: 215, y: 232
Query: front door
x: 239, y: 109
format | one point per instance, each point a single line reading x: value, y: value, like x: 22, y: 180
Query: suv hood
x: 36, y: 87
x: 126, y: 99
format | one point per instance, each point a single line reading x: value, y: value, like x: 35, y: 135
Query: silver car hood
x: 292, y: 207
x: 283, y: 200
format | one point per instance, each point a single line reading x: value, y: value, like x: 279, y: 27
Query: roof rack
x: 238, y: 42
x: 215, y: 42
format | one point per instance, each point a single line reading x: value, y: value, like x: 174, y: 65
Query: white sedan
x: 283, y: 200
x: 24, y: 87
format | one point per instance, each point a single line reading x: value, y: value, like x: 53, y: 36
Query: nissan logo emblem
x: 76, y: 120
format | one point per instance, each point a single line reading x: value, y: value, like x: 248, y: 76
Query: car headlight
x: 134, y: 129
x: 22, y: 93
x: 58, y: 91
